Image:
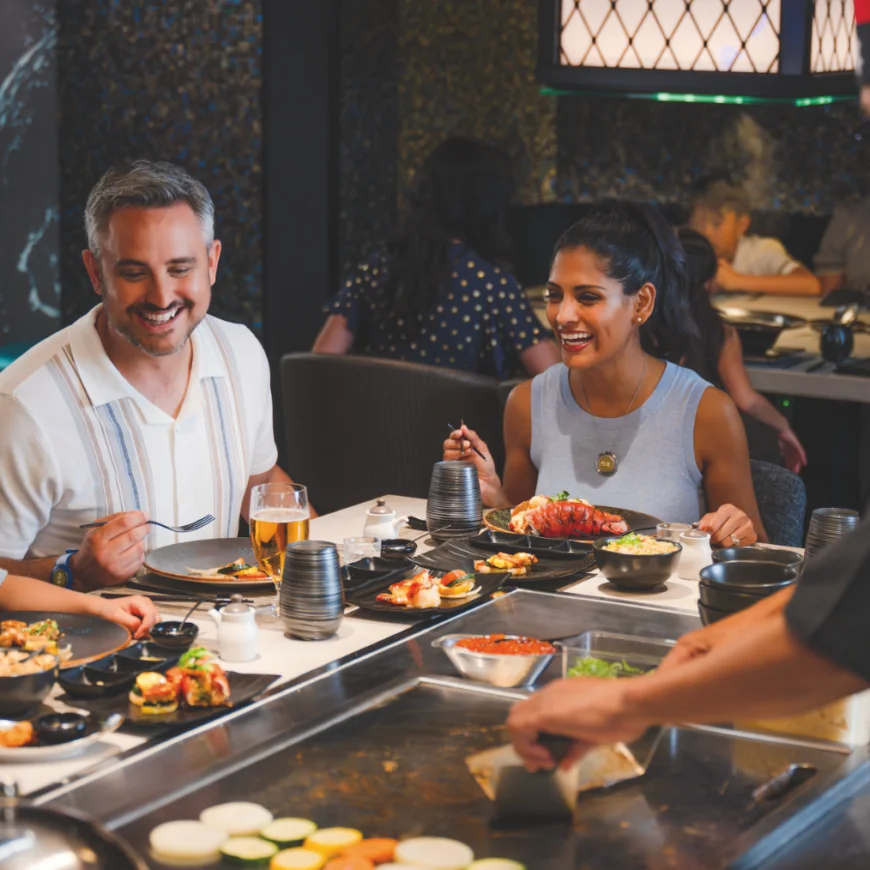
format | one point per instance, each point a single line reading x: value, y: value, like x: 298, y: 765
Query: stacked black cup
x: 312, y: 602
x: 828, y: 525
x: 454, y: 508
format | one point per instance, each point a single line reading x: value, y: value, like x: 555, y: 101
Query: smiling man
x: 145, y: 407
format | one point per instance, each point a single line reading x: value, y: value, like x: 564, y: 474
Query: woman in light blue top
x: 619, y: 422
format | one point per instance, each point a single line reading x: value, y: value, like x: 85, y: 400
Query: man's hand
x: 137, y: 613
x: 113, y: 553
x: 591, y: 711
x: 727, y: 278
x: 690, y: 646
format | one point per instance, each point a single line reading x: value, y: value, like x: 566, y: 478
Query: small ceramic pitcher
x: 237, y: 633
x: 696, y: 554
x: 382, y: 523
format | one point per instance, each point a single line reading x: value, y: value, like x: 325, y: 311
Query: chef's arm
x: 764, y: 670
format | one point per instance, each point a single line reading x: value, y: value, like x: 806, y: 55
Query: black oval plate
x: 499, y: 519
x: 89, y: 637
x: 451, y: 555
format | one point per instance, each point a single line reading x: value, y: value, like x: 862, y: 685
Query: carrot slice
x: 351, y: 862
x: 378, y: 850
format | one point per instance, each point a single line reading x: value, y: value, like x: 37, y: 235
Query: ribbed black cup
x: 454, y: 508
x: 312, y: 603
x: 828, y: 525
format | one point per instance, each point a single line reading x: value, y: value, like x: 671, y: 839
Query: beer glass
x: 278, y: 516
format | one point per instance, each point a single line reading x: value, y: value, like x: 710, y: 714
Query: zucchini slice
x: 297, y: 859
x: 288, y: 832
x: 248, y: 850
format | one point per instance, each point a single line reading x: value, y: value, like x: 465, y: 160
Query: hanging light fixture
x: 724, y: 51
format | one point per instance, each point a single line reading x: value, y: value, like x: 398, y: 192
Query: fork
x: 187, y: 527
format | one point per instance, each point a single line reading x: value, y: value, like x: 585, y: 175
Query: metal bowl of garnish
x: 506, y: 668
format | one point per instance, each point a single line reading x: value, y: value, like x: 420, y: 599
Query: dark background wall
x: 176, y: 80
x: 29, y: 288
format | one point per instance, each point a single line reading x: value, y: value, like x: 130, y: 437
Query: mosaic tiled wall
x: 177, y: 80
x: 29, y: 287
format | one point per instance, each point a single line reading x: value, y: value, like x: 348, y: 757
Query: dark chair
x: 359, y: 427
x: 782, y: 502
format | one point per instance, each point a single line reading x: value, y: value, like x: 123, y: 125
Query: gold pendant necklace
x: 607, y: 463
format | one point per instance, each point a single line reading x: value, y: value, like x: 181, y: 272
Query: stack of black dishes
x: 454, y: 508
x: 728, y: 587
x: 760, y: 554
x: 828, y: 525
x: 312, y: 602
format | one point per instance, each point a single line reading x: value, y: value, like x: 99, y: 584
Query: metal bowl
x: 504, y: 671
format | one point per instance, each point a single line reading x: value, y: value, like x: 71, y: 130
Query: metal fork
x: 187, y: 527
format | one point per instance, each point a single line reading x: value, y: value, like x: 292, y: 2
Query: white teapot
x: 238, y: 636
x: 382, y: 523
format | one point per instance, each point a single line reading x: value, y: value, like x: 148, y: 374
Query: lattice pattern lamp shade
x: 762, y: 48
x: 708, y: 35
x: 834, y: 40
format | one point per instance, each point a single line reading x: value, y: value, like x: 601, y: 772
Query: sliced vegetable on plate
x: 434, y: 853
x: 288, y: 832
x: 332, y: 841
x: 186, y: 841
x: 236, y: 818
x: 378, y: 850
x: 297, y: 859
x: 248, y: 850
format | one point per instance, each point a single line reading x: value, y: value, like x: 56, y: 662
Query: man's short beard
x: 151, y: 351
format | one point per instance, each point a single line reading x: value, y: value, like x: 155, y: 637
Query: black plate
x: 499, y: 521
x: 89, y: 637
x: 452, y: 555
x: 548, y: 548
x: 366, y: 597
x: 243, y: 688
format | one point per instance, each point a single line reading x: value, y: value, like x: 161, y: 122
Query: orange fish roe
x: 499, y: 644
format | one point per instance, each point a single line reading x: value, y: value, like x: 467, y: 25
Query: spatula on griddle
x: 551, y: 796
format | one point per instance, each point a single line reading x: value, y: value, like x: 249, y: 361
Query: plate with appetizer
x: 523, y: 566
x: 218, y: 563
x: 418, y: 592
x: 74, y: 638
x: 563, y: 517
x: 194, y: 689
x: 53, y: 736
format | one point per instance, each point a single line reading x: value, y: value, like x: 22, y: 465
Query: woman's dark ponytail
x: 640, y: 247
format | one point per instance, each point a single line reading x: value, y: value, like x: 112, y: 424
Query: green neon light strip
x: 720, y: 99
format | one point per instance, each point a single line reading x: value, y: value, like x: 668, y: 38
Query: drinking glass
x: 671, y: 531
x: 278, y: 517
x: 361, y: 548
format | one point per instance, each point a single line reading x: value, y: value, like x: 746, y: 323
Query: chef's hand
x: 729, y: 527
x: 590, y: 711
x: 136, y: 613
x: 458, y: 446
x: 793, y: 453
x: 690, y: 646
x: 728, y: 278
x: 113, y: 553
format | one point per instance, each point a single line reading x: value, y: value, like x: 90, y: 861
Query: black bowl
x: 635, y: 573
x: 145, y: 656
x: 60, y: 727
x: 92, y: 682
x: 762, y: 578
x: 724, y: 598
x: 710, y: 615
x: 19, y: 695
x: 760, y: 554
x: 397, y: 548
x: 174, y: 635
x: 757, y: 338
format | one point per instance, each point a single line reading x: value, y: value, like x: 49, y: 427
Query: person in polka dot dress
x: 442, y: 293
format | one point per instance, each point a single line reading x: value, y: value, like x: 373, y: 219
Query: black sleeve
x: 864, y: 44
x: 830, y: 609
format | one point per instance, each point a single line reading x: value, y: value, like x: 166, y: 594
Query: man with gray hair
x: 145, y: 407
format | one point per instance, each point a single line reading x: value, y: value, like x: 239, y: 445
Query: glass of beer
x: 278, y: 517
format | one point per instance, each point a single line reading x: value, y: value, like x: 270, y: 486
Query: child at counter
x: 135, y: 612
x: 752, y: 264
x: 619, y: 421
